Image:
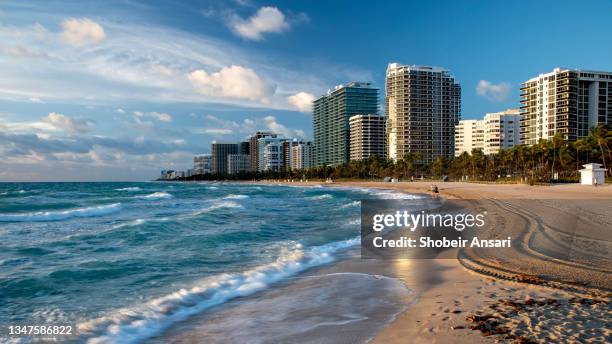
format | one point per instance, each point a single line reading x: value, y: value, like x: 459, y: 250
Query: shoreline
x: 460, y: 301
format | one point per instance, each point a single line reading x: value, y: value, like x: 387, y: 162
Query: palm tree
x: 477, y: 159
x: 579, y: 145
x: 437, y: 168
x: 602, y: 138
x: 557, y: 141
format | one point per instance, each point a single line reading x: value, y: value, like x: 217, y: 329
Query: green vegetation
x: 533, y: 164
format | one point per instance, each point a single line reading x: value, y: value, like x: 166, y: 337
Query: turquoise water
x: 124, y: 261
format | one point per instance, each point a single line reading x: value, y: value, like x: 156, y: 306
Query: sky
x: 119, y: 90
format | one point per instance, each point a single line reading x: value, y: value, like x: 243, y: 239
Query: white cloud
x: 144, y: 63
x: 493, y: 91
x: 82, y: 31
x: 40, y: 157
x: 217, y: 131
x: 26, y: 127
x: 69, y: 124
x: 163, y: 70
x: 266, y: 20
x: 302, y: 101
x: 234, y: 82
x: 22, y: 52
x: 120, y: 110
x: 36, y: 100
x: 273, y: 125
x: 160, y: 116
x: 53, y: 122
x: 248, y: 126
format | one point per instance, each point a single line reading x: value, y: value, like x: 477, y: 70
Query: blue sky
x: 118, y: 90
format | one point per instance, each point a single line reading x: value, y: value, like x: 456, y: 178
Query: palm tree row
x: 549, y: 160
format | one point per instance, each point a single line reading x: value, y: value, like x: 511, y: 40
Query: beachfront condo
x: 254, y: 148
x: 367, y: 136
x: 288, y: 151
x: 237, y: 163
x: 423, y: 106
x: 565, y: 101
x: 270, y: 153
x: 502, y: 130
x: 469, y: 135
x: 302, y: 156
x: 201, y: 164
x: 497, y: 130
x: 331, y: 114
x: 220, y: 151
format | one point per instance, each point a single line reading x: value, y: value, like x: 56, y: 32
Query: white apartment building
x: 565, y: 101
x: 302, y: 156
x: 270, y: 150
x: 498, y: 130
x: 502, y: 130
x: 201, y: 164
x: 237, y: 163
x: 469, y: 135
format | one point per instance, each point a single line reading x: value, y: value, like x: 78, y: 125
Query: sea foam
x: 61, y: 215
x: 131, y: 325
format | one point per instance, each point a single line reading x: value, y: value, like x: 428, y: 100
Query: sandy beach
x: 522, y: 296
x: 543, y: 290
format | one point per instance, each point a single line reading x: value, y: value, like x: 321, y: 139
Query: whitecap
x: 61, y: 215
x: 131, y: 188
x: 232, y: 196
x: 320, y: 197
x: 352, y: 204
x: 135, y: 324
x: 156, y: 195
x: 217, y: 205
x: 132, y: 223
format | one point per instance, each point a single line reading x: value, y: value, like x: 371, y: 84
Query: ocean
x: 126, y: 262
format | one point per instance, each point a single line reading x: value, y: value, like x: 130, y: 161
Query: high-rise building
x: 288, y: 151
x: 502, y: 130
x: 254, y: 149
x: 498, y: 130
x: 331, y: 114
x: 367, y: 136
x: 565, y: 101
x: 423, y: 105
x: 237, y: 163
x: 220, y: 151
x: 270, y: 153
x: 469, y: 135
x: 302, y: 156
x: 201, y: 164
x: 244, y: 148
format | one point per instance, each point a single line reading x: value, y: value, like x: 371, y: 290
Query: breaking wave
x: 62, y: 215
x: 130, y: 325
x: 132, y: 188
x: 320, y: 197
x: 156, y: 195
x: 236, y: 196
